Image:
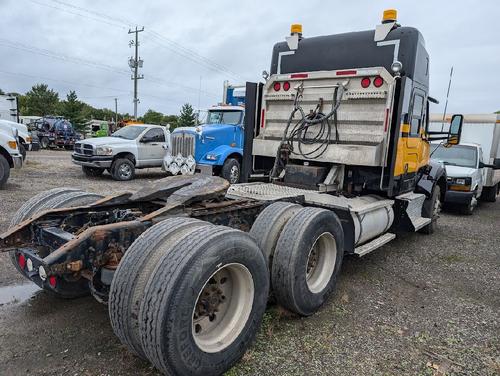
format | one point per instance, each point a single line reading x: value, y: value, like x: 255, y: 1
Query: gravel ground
x: 421, y: 305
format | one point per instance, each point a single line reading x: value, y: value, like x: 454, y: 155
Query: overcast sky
x: 83, y: 45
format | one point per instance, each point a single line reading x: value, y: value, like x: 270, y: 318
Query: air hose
x: 310, y: 129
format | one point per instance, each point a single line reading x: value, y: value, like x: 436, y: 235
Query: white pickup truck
x: 10, y: 155
x: 473, y: 167
x: 131, y: 147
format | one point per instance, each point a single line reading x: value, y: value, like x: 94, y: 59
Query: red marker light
x: 53, y: 281
x: 277, y: 86
x: 21, y: 261
x: 365, y: 82
x: 286, y: 86
x: 299, y: 75
x: 378, y: 81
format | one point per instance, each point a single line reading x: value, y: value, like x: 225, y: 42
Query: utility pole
x: 135, y: 63
x: 116, y: 114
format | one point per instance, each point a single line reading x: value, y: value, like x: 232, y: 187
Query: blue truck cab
x: 214, y: 147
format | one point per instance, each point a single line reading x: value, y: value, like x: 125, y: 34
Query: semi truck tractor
x: 186, y: 264
x: 215, y: 147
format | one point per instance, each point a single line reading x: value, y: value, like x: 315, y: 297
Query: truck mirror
x: 455, y: 131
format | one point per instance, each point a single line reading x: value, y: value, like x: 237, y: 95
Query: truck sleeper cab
x: 186, y: 264
x: 214, y: 148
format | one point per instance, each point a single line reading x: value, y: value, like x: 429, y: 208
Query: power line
x: 114, y: 69
x: 161, y: 40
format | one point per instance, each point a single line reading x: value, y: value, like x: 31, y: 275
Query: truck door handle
x: 210, y: 138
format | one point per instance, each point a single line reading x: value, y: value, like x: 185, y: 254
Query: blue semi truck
x: 215, y: 147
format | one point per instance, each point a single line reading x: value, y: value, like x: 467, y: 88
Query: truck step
x: 418, y: 223
x: 374, y: 244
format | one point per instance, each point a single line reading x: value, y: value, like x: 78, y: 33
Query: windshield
x: 223, y: 117
x: 129, y: 132
x: 459, y: 155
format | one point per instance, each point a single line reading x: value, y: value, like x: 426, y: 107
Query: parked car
x: 10, y: 155
x: 24, y: 136
x: 466, y: 173
x: 131, y: 147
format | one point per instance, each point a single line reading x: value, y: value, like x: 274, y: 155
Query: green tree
x: 173, y: 120
x: 153, y: 117
x: 2, y: 92
x: 187, y: 117
x: 41, y: 100
x: 71, y: 109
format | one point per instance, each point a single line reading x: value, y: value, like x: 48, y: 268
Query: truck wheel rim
x: 321, y: 262
x: 223, y: 307
x: 234, y: 174
x: 125, y: 170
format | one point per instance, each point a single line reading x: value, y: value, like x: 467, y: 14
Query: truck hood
x: 206, y: 129
x: 459, y: 171
x: 106, y: 141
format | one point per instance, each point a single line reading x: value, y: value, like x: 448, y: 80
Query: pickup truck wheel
x: 134, y: 271
x: 4, y: 170
x: 231, y: 170
x: 123, y: 169
x: 92, y: 171
x: 307, y: 260
x: 44, y: 142
x: 489, y: 194
x: 431, y: 209
x: 204, y: 303
x: 52, y: 199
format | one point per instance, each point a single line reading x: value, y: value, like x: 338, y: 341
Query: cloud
x: 187, y: 41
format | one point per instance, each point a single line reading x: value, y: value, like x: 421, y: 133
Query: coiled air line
x: 313, y: 128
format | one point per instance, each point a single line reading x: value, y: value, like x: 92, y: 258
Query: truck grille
x: 182, y: 143
x: 83, y: 149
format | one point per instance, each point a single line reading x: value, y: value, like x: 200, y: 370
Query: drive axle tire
x: 44, y: 142
x: 4, y: 170
x: 231, y: 170
x: 123, y: 169
x: 489, y: 194
x: 268, y: 226
x: 134, y: 271
x: 430, y: 209
x: 92, y: 171
x: 52, y: 199
x: 204, y: 302
x: 307, y: 260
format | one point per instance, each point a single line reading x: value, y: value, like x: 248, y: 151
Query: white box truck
x: 484, y: 130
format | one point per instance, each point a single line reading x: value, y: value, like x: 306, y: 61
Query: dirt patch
x: 421, y: 305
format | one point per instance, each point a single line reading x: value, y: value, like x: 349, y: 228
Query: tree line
x: 40, y: 100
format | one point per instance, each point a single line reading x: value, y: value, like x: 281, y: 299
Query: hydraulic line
x: 313, y: 128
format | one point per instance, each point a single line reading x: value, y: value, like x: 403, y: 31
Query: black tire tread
x: 284, y: 274
x: 134, y: 271
x: 268, y: 226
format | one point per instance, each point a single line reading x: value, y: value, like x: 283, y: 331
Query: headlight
x: 460, y: 184
x: 29, y: 139
x: 462, y: 181
x: 212, y: 157
x: 104, y: 150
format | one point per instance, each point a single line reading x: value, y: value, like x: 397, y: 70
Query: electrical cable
x: 313, y: 128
